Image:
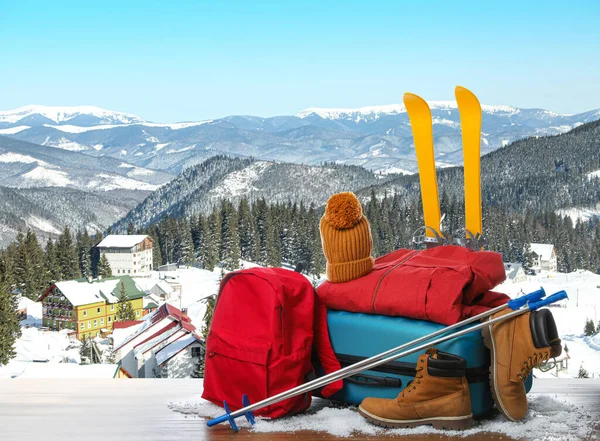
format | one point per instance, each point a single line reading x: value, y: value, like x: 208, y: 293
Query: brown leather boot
x: 517, y: 346
x: 439, y: 395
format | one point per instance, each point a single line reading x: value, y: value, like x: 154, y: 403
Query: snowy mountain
x: 203, y: 186
x: 24, y: 165
x: 84, y: 116
x: 375, y: 137
x: 48, y: 210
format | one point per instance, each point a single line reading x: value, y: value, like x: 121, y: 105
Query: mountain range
x: 376, y: 137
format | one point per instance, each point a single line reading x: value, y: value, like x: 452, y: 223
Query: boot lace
x: 412, y: 385
x: 532, y: 361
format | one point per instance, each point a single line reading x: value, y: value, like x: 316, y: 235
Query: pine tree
x: 230, y: 239
x: 589, y: 328
x: 130, y: 228
x: 104, y: 269
x: 84, y: 351
x: 84, y: 253
x: 582, y: 372
x: 156, y: 254
x: 198, y: 371
x: 210, y: 302
x: 247, y: 231
x: 566, y: 349
x: 66, y: 253
x: 51, y: 268
x: 10, y: 329
x: 125, y: 311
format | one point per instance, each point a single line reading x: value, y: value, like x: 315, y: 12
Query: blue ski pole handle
x: 561, y: 295
x: 535, y: 296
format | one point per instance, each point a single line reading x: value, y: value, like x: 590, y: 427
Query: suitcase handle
x: 372, y: 380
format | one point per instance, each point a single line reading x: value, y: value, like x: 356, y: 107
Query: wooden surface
x: 131, y: 410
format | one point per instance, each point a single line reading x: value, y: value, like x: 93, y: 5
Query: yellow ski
x: 470, y: 122
x: 422, y: 128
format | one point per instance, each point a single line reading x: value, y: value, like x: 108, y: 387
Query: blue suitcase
x: 355, y: 337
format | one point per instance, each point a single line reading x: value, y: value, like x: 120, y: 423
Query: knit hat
x: 346, y: 239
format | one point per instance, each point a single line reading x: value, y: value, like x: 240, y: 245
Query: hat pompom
x: 343, y: 210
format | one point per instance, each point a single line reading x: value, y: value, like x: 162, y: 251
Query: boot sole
x: 442, y: 423
x: 490, y: 343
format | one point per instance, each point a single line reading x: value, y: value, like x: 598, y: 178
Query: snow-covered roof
x: 69, y: 370
x: 148, y: 283
x: 147, y: 345
x: 512, y: 269
x: 175, y: 348
x: 121, y: 240
x: 544, y: 250
x: 83, y: 292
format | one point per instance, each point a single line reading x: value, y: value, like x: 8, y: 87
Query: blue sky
x: 194, y: 60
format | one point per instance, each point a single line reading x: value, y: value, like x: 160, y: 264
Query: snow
x: 360, y: 113
x: 583, y: 214
x: 120, y: 335
x: 13, y: 130
x: 42, y: 224
x: 549, y: 419
x: 106, y: 182
x: 17, y: 157
x: 83, y: 293
x: 68, y: 128
x: 184, y: 149
x: 39, y: 346
x: 240, y: 182
x: 174, y: 348
x: 396, y: 170
x: 122, y: 240
x: 595, y: 174
x: 60, y: 114
x: 125, y: 165
x: 45, y: 177
x: 139, y: 171
x: 542, y: 249
x: 65, y: 144
x: 158, y: 147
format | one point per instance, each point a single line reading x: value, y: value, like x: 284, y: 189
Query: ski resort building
x: 88, y: 307
x: 127, y: 254
x: 544, y: 257
x: 165, y: 344
x: 515, y: 272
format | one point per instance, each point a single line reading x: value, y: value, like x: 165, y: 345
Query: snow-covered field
x: 583, y: 288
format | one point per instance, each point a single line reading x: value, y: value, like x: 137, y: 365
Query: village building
x: 88, y: 307
x: 515, y: 272
x: 165, y: 344
x: 544, y: 257
x: 127, y: 254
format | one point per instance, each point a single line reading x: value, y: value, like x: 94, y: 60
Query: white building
x: 127, y: 254
x: 165, y: 344
x: 544, y: 257
x: 514, y: 272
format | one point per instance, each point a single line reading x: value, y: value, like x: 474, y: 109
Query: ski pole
x: 513, y: 304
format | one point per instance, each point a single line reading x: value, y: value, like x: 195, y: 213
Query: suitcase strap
x: 474, y: 375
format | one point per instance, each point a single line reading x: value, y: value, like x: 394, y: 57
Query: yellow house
x: 88, y: 307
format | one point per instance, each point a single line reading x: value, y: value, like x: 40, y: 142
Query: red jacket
x: 444, y: 285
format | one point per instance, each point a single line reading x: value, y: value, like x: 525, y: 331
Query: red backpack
x: 261, y: 340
